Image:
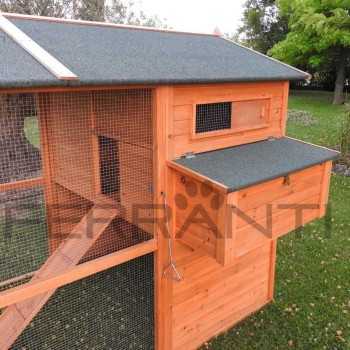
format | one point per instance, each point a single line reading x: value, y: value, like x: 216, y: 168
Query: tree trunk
x: 339, y: 97
x: 18, y: 158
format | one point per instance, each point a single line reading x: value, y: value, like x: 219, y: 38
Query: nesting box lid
x: 242, y: 166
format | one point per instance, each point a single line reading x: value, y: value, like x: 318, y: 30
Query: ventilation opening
x: 109, y: 165
x: 213, y: 116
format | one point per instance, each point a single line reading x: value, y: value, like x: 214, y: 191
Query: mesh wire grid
x: 96, y: 152
x: 107, y: 311
x: 213, y: 116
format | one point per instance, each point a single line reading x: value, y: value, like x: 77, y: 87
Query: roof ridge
x: 101, y: 24
x: 308, y: 75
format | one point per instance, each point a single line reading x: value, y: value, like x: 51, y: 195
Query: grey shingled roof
x: 111, y: 55
x: 242, y: 166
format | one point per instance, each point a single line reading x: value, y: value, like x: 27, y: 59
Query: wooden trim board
x: 22, y: 184
x: 36, y: 51
x: 102, y: 24
x: 199, y: 177
x: 28, y: 290
x: 162, y: 116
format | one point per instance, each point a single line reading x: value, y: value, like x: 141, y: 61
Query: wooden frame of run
x: 163, y: 286
x: 22, y: 184
x: 29, y: 290
x: 162, y: 100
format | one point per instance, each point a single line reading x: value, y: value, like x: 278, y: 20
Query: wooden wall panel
x: 69, y: 132
x: 302, y: 188
x: 211, y: 298
x: 186, y: 96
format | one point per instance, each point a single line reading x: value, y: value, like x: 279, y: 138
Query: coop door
x: 76, y: 183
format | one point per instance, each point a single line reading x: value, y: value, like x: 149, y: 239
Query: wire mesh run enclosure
x: 76, y: 185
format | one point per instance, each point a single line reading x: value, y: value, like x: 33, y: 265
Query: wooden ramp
x: 16, y: 317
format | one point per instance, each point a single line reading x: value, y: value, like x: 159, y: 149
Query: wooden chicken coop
x: 145, y: 179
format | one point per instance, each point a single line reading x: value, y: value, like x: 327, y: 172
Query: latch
x: 286, y: 180
x: 188, y: 155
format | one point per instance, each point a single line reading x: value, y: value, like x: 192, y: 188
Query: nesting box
x: 163, y: 179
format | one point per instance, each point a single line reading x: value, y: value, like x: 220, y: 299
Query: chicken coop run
x: 145, y: 178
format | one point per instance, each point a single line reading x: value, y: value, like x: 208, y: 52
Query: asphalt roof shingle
x: 112, y: 55
x: 242, y: 166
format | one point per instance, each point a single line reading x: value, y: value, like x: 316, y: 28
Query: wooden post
x: 326, y: 179
x: 284, y: 111
x: 272, y: 271
x: 163, y: 284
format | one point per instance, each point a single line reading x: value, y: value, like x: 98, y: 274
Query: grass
x: 329, y: 118
x: 311, y: 309
x: 31, y: 130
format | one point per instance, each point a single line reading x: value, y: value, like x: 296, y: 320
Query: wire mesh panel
x: 110, y: 310
x: 23, y: 238
x: 213, y: 116
x: 19, y: 138
x: 95, y: 197
x: 100, y: 153
x: 23, y: 235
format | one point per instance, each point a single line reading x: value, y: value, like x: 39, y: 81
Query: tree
x: 50, y: 8
x: 263, y: 26
x: 319, y: 37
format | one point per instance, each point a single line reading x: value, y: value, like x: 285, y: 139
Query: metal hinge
x: 188, y: 155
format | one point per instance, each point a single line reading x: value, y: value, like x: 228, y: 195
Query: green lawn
x: 312, y: 297
x: 328, y: 117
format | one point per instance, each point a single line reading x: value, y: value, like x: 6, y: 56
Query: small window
x: 213, y: 117
x: 109, y: 165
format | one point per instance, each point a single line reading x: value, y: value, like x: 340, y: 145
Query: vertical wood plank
x: 226, y: 226
x: 326, y: 179
x: 95, y: 147
x: 284, y: 110
x: 163, y: 286
x: 273, y: 255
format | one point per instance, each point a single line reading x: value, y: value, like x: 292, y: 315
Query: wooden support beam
x: 163, y: 105
x: 273, y: 256
x: 36, y: 51
x: 326, y: 180
x: 284, y: 109
x: 22, y: 184
x: 29, y: 290
x: 197, y: 176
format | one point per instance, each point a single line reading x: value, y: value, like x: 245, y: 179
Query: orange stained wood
x: 22, y: 184
x: 326, y: 179
x: 248, y: 218
x: 67, y: 255
x: 163, y: 97
x: 187, y: 96
x: 29, y: 290
x: 211, y: 298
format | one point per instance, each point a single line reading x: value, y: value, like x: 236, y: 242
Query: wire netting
x: 76, y: 183
x: 213, y: 116
x: 107, y: 311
